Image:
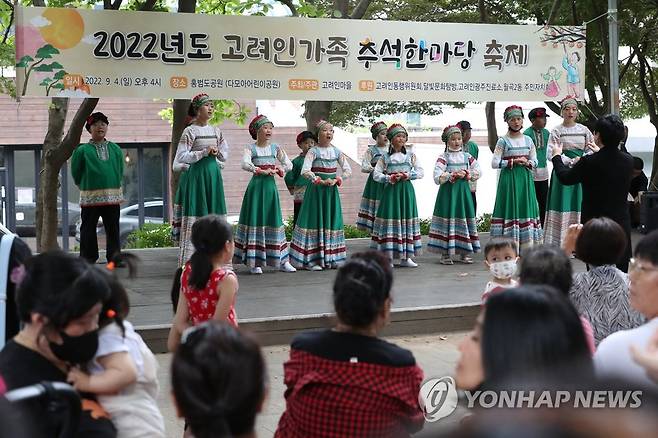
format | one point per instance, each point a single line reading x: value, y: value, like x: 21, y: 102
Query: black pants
x: 541, y: 189
x: 88, y: 238
x: 475, y: 203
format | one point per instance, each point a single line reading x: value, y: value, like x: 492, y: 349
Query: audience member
x: 500, y: 257
x: 14, y: 263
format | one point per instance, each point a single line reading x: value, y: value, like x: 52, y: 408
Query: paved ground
x: 437, y: 355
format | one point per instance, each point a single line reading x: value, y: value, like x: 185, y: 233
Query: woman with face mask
x: 59, y: 301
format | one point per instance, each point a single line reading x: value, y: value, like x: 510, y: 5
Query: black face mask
x: 76, y: 349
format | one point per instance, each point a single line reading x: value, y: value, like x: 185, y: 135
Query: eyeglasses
x: 634, y: 265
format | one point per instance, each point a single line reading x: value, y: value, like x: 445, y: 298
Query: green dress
x: 564, y: 202
x: 319, y: 237
x: 372, y: 192
x: 396, y: 230
x: 516, y: 212
x: 200, y: 188
x: 260, y: 238
x: 454, y: 228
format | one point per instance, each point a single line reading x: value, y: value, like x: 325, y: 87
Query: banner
x: 101, y: 53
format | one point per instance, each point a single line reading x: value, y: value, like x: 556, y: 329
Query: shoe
x: 466, y: 259
x: 257, y: 270
x: 446, y: 260
x: 314, y: 268
x: 287, y: 267
x: 408, y: 263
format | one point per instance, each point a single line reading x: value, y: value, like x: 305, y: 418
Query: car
x: 26, y: 213
x: 129, y: 219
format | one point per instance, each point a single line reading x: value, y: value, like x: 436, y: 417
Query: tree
x: 58, y: 146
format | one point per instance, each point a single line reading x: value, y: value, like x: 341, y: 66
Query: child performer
x: 294, y: 180
x: 472, y: 148
x: 454, y: 229
x: 318, y: 240
x: 539, y: 135
x: 372, y: 192
x: 260, y: 239
x: 396, y: 230
x: 500, y: 257
x: 564, y: 202
x: 516, y: 213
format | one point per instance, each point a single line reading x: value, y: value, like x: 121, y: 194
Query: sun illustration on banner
x: 66, y: 27
x: 57, y: 29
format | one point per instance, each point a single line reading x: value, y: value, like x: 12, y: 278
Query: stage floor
x: 276, y: 294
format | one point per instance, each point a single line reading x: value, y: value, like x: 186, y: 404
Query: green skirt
x: 319, y: 237
x: 454, y: 229
x: 516, y: 212
x: 372, y: 194
x: 200, y: 193
x: 260, y: 238
x: 396, y: 230
x: 562, y: 209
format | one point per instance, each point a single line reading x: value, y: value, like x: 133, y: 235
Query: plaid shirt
x: 327, y: 398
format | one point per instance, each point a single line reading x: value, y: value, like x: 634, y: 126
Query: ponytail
x: 209, y: 237
x: 201, y: 269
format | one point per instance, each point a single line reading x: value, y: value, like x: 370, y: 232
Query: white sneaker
x: 314, y: 268
x: 257, y: 270
x: 287, y: 267
x: 408, y: 264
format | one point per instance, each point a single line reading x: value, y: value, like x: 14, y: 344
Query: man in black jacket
x: 605, y: 176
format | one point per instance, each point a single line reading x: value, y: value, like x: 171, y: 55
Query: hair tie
x: 111, y: 313
x: 110, y: 266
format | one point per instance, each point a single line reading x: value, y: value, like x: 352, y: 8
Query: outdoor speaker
x: 649, y: 212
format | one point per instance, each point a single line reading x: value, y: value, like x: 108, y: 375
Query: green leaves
x: 25, y: 61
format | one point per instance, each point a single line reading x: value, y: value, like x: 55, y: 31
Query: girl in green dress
x: 516, y: 212
x: 372, y: 192
x: 260, y: 239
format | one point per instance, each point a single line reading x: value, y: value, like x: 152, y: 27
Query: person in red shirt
x: 207, y: 290
x: 347, y: 382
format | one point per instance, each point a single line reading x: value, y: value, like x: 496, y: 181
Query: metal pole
x: 140, y: 185
x: 613, y: 45
x: 10, y: 194
x: 65, y: 207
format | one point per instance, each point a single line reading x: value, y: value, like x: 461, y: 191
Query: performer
x: 564, y: 202
x: 260, y: 239
x: 516, y: 212
x: 539, y: 135
x: 396, y: 230
x: 472, y: 148
x: 294, y: 180
x: 201, y: 153
x: 318, y: 240
x: 372, y: 192
x: 454, y: 229
x: 97, y: 169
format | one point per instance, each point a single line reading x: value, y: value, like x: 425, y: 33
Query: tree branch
x: 553, y: 14
x: 11, y: 21
x: 648, y: 98
x: 147, y: 5
x: 360, y: 9
x: 39, y: 3
x: 8, y: 3
x: 291, y: 6
x: 72, y: 138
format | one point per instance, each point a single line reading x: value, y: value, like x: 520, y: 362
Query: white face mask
x: 503, y: 270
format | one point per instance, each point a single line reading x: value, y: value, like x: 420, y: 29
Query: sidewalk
x: 437, y: 355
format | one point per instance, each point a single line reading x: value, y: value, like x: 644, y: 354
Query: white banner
x: 81, y: 52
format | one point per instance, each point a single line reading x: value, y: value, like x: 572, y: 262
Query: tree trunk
x: 492, y: 131
x: 49, y: 176
x: 315, y: 111
x: 180, y: 107
x: 653, y: 179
